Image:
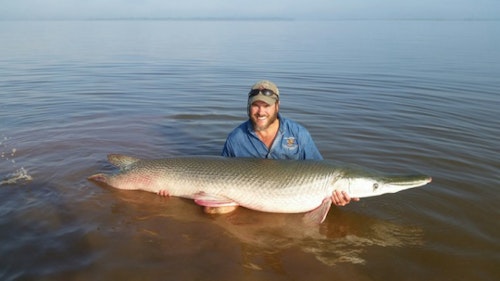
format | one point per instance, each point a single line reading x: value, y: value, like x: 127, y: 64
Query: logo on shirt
x: 290, y: 142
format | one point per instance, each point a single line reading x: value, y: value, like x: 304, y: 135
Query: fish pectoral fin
x: 318, y: 215
x: 210, y: 200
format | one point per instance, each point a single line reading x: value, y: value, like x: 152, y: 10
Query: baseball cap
x: 258, y: 92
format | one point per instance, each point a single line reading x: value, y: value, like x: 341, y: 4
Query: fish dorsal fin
x: 121, y: 161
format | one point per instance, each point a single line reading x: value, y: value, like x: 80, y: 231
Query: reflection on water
x: 264, y: 236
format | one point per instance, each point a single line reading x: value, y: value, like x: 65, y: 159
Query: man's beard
x: 271, y: 119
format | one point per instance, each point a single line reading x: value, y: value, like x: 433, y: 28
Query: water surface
x: 395, y: 96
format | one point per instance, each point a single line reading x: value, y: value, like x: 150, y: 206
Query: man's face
x: 263, y: 115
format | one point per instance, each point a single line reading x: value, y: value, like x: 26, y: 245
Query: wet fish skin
x: 280, y: 186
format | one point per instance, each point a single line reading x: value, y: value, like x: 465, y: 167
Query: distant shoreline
x: 245, y: 19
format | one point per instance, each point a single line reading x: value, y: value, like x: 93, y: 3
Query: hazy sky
x: 297, y: 9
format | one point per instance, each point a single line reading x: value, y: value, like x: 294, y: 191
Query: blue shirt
x: 292, y: 141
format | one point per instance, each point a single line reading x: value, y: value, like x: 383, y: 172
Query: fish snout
x: 409, y: 181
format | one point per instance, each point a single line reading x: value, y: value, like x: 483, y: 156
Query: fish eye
x: 375, y: 186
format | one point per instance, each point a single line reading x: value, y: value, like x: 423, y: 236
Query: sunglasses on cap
x: 265, y: 92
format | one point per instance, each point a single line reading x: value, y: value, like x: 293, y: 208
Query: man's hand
x: 163, y: 192
x: 341, y: 198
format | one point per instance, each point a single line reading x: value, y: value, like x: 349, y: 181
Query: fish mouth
x: 408, y: 181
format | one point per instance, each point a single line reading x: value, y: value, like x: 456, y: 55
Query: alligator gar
x: 279, y: 186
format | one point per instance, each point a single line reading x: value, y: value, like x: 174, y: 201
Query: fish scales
x: 284, y: 186
x: 253, y: 183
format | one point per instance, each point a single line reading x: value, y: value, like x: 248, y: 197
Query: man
x: 267, y: 134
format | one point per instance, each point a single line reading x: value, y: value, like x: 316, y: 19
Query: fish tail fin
x: 318, y: 215
x: 121, y: 161
x: 99, y: 179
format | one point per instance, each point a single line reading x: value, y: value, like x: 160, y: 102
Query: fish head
x: 367, y: 186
